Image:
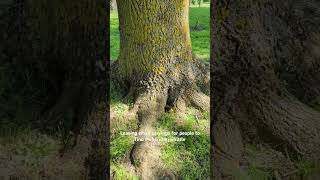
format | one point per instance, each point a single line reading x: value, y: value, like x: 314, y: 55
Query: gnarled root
x: 155, y: 94
x: 281, y: 121
x: 145, y: 155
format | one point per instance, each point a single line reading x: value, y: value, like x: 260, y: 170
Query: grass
x: 188, y: 159
x: 263, y: 161
x: 114, y: 35
x: 200, y: 38
x: 28, y: 149
x: 120, y: 173
x: 308, y: 169
x: 120, y: 146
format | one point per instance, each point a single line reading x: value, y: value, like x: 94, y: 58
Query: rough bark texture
x: 154, y: 35
x: 156, y: 63
x: 260, y: 50
x: 60, y: 47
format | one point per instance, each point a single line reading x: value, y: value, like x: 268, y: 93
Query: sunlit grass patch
x: 114, y: 35
x: 120, y: 173
x: 120, y: 146
x: 189, y: 159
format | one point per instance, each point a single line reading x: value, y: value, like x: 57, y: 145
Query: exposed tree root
x: 227, y: 148
x: 199, y: 100
x: 292, y: 124
x: 282, y: 121
x: 154, y: 95
x: 145, y: 156
x: 256, y: 107
x: 253, y: 93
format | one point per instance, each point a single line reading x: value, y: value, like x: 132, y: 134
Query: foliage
x: 199, y: 2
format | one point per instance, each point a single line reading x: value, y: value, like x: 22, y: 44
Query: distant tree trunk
x: 156, y: 62
x: 251, y: 102
x: 113, y: 4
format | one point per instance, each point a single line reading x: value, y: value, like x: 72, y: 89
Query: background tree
x: 157, y: 67
x: 262, y: 53
x: 113, y: 4
x: 199, y: 2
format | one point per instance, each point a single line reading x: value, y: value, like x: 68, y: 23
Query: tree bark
x: 156, y: 62
x: 60, y: 46
x: 154, y: 36
x: 251, y: 101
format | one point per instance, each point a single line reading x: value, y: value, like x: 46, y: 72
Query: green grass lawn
x: 114, y: 35
x: 199, y: 19
x: 200, y: 39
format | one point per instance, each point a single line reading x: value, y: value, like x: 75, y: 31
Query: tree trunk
x: 60, y: 45
x: 251, y: 102
x: 113, y: 5
x: 154, y: 36
x: 156, y: 62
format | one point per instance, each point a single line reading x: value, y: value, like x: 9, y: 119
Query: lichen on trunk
x: 153, y: 36
x: 157, y: 66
